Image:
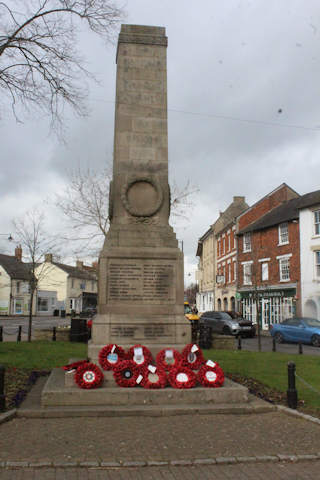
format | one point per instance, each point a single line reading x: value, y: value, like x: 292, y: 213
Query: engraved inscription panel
x: 136, y: 333
x: 141, y: 281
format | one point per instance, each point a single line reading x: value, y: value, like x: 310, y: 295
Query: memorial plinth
x: 141, y: 284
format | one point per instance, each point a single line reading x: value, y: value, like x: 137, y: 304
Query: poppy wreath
x: 147, y: 356
x: 154, y: 377
x: 110, y: 356
x: 211, y: 375
x: 126, y: 373
x: 162, y: 359
x: 88, y: 376
x: 182, y: 377
x: 192, y: 359
x: 74, y: 365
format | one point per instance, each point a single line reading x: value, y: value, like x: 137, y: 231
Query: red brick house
x: 269, y: 257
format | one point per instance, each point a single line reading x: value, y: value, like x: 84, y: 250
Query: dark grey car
x: 223, y: 323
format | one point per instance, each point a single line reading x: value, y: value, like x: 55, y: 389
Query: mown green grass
x: 271, y: 369
x: 42, y: 355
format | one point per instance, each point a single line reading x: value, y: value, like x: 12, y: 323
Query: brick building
x: 269, y: 257
x: 226, y: 255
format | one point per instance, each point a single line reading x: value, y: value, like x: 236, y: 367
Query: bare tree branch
x: 35, y: 241
x: 85, y: 204
x: 40, y: 65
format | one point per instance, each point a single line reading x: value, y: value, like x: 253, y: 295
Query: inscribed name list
x: 147, y: 281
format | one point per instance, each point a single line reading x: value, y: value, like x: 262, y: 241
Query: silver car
x: 223, y: 323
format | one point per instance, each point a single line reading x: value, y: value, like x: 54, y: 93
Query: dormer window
x: 283, y: 234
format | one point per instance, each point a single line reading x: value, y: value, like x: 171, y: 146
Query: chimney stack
x: 79, y: 264
x: 48, y: 257
x: 18, y: 253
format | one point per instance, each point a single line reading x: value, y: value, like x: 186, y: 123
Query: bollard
x: 292, y: 395
x: 300, y: 348
x: 1, y: 333
x: 54, y: 334
x: 273, y: 345
x: 2, y: 395
x: 239, y: 342
x: 19, y: 333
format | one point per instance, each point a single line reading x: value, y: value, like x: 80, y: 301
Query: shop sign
x: 269, y: 293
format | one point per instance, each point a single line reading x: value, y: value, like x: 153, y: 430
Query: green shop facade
x: 275, y: 304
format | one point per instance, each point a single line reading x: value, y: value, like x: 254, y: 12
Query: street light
x: 10, y: 237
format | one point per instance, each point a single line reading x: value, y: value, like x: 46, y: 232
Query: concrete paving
x: 189, y: 446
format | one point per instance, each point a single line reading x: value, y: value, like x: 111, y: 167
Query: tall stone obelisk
x: 141, y: 284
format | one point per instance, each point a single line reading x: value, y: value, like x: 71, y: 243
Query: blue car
x: 297, y: 330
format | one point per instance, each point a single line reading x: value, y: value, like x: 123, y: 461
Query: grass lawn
x: 268, y: 369
x: 271, y: 369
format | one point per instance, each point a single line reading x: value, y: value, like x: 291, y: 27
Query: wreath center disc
x: 192, y: 357
x: 127, y: 374
x: 182, y: 377
x: 153, y: 378
x: 139, y: 359
x: 112, y: 357
x: 89, y: 376
x: 211, y: 376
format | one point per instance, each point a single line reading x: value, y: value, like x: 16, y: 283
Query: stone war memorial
x: 141, y: 280
x: 140, y: 336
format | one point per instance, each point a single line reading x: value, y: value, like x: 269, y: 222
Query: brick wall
x: 274, y: 199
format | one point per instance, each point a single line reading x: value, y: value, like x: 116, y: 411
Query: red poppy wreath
x: 126, y: 374
x: 88, y: 376
x: 192, y: 356
x: 154, y: 377
x: 110, y: 356
x: 169, y: 358
x: 211, y: 375
x: 182, y: 377
x: 140, y: 355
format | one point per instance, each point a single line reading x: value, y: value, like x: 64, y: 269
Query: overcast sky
x: 244, y: 111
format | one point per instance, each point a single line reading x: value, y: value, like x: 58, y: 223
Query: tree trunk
x: 30, y: 316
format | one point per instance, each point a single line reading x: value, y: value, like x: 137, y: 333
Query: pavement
x: 280, y: 443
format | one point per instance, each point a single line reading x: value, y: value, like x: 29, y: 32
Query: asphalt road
x: 251, y: 344
x: 11, y: 325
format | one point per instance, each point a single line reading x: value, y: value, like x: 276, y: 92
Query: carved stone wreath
x: 147, y: 210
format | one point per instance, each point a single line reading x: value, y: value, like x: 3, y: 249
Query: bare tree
x: 85, y: 204
x: 35, y: 242
x: 40, y: 65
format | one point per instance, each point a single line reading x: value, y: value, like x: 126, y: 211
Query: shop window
x: 317, y: 222
x: 43, y: 304
x: 283, y: 234
x: 284, y: 268
x: 247, y: 242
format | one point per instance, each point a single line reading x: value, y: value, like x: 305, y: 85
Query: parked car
x: 248, y: 332
x: 297, y: 330
x: 222, y: 322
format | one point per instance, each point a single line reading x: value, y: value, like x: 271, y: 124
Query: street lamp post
x: 10, y: 238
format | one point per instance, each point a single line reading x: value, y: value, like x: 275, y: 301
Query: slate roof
x: 14, y: 267
x: 285, y: 212
x: 309, y: 199
x: 75, y: 272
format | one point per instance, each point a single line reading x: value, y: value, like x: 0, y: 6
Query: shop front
x: 275, y: 305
